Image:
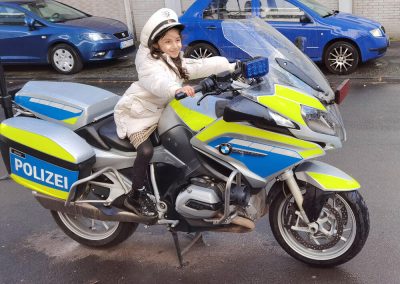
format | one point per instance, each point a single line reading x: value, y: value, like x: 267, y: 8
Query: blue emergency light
x: 255, y: 68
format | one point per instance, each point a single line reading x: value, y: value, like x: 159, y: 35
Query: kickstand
x: 178, y: 247
x: 198, y: 236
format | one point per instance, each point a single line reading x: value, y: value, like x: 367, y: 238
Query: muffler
x: 89, y: 211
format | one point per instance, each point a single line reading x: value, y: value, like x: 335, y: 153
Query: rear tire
x: 341, y: 58
x: 201, y: 50
x: 65, y: 59
x: 94, y: 233
x: 344, y: 218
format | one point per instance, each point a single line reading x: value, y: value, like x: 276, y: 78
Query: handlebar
x: 205, y: 85
x: 182, y: 95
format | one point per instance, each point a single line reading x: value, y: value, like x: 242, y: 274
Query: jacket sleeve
x: 154, y: 78
x: 200, y: 68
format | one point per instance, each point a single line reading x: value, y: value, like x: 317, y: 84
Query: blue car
x: 339, y: 40
x: 45, y: 31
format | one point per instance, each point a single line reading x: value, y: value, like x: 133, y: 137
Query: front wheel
x: 341, y: 58
x: 65, y: 59
x: 343, y: 228
x: 94, y: 233
x: 201, y: 50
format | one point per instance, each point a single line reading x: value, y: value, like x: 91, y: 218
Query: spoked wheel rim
x: 336, y: 229
x: 87, y: 228
x: 63, y: 59
x: 201, y: 52
x: 341, y: 59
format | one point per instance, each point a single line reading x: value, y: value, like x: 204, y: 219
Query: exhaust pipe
x: 89, y: 211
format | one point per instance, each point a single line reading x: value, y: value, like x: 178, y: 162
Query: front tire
x: 65, y: 59
x: 341, y: 58
x: 201, y: 50
x: 342, y: 232
x: 94, y: 233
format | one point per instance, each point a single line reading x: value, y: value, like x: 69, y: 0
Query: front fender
x: 325, y: 177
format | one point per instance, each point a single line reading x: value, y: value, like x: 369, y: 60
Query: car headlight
x: 319, y: 121
x: 96, y: 36
x: 376, y: 32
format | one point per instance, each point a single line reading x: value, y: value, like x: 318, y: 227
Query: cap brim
x: 166, y: 28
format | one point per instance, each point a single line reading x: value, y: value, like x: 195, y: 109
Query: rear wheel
x: 94, y: 233
x: 341, y: 58
x: 65, y: 59
x: 201, y: 50
x: 343, y: 228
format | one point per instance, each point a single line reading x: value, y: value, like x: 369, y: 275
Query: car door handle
x: 211, y: 28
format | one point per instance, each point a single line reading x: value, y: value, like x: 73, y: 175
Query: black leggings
x: 144, y: 154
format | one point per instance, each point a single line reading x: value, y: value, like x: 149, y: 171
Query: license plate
x: 126, y: 43
x: 41, y: 172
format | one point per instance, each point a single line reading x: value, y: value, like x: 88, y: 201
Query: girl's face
x: 170, y: 43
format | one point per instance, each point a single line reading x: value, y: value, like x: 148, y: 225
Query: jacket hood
x: 98, y: 24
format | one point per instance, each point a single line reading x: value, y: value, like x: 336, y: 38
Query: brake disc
x: 306, y: 238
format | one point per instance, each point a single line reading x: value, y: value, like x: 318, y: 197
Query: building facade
x: 135, y: 13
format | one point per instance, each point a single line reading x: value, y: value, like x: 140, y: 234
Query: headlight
x: 325, y: 122
x: 376, y: 33
x: 96, y: 36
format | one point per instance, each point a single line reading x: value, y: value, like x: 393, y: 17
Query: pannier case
x: 44, y: 156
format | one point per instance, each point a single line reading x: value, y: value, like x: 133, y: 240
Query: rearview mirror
x: 30, y: 22
x: 305, y: 19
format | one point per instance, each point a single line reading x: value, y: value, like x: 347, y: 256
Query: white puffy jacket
x: 143, y: 102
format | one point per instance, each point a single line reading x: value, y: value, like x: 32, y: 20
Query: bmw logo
x: 225, y: 148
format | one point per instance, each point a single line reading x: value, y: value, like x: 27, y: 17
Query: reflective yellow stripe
x: 37, y: 142
x: 287, y: 102
x: 333, y: 182
x: 40, y: 188
x: 195, y: 120
x: 71, y: 121
x: 222, y: 127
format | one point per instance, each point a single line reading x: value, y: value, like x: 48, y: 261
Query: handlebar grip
x: 182, y: 95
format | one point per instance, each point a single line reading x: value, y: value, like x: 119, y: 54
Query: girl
x: 161, y: 70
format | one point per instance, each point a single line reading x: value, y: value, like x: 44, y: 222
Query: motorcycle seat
x: 108, y: 132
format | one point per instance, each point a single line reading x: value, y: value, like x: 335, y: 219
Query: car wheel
x: 201, y: 50
x: 65, y: 59
x: 341, y: 58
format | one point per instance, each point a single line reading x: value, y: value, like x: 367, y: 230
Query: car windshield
x: 317, y: 7
x: 54, y: 11
x: 287, y: 64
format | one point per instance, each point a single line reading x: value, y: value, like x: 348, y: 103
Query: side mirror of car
x: 30, y: 22
x: 300, y: 42
x: 305, y: 19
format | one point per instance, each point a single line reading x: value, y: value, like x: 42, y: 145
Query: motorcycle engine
x: 200, y: 200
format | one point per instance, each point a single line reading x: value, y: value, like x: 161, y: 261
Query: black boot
x: 140, y: 203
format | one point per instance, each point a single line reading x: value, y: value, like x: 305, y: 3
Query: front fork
x: 294, y: 188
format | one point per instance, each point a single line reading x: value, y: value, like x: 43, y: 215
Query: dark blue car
x: 340, y: 40
x: 45, y: 31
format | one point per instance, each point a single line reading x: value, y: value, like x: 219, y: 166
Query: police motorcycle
x: 244, y: 147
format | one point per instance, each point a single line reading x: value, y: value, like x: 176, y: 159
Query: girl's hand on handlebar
x: 188, y: 90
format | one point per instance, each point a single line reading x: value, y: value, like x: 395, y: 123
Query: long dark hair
x: 156, y: 53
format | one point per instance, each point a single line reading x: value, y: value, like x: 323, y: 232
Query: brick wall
x: 387, y: 12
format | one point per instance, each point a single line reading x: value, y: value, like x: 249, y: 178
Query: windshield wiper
x: 327, y: 15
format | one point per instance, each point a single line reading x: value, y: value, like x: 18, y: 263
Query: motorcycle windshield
x: 287, y: 64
